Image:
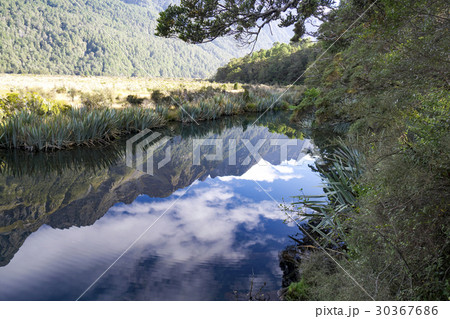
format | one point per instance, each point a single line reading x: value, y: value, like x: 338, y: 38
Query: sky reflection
x: 207, y: 245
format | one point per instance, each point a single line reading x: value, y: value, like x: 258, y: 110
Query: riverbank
x: 35, y: 122
x: 383, y: 90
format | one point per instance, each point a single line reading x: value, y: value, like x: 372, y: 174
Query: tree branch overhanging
x: 200, y: 21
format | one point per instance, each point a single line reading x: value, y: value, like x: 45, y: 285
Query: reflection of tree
x: 255, y: 293
x: 289, y: 261
x: 281, y: 125
x: 292, y: 256
x: 18, y: 163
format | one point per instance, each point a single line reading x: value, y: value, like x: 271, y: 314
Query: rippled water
x: 189, y: 232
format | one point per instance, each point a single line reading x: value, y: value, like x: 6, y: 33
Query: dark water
x: 189, y: 232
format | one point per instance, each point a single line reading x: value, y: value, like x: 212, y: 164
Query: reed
x: 30, y: 131
x: 219, y: 105
x: 327, y: 214
x: 33, y: 123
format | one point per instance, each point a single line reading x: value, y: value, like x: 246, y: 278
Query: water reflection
x: 218, y: 226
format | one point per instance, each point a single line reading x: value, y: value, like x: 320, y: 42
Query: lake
x: 82, y: 224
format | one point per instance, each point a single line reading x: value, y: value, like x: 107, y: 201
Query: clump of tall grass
x: 229, y: 104
x: 31, y: 131
x: 33, y: 123
x: 212, y: 108
x: 326, y: 214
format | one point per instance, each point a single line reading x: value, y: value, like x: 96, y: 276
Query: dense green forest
x: 281, y: 64
x: 381, y: 84
x: 103, y: 37
x: 385, y: 86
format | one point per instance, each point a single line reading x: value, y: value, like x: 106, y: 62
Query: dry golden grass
x: 58, y: 87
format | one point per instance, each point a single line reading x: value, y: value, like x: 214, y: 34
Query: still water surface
x: 212, y: 228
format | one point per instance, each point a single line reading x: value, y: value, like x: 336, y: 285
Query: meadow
x: 69, y: 88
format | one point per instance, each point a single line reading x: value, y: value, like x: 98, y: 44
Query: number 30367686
x: 407, y: 310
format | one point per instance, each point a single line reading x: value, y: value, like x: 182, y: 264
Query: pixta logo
x: 141, y: 148
x: 149, y: 151
x: 214, y: 150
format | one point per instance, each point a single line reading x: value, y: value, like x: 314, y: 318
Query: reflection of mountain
x: 66, y: 193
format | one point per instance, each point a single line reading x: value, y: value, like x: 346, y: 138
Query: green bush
x: 428, y: 127
x: 250, y: 107
x: 32, y: 102
x: 309, y: 98
x: 297, y: 291
x: 32, y: 131
x: 73, y: 92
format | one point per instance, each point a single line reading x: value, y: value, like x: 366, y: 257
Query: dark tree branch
x: 200, y: 21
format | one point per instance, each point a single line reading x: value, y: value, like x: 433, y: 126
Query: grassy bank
x: 36, y: 123
x: 32, y: 131
x: 383, y: 87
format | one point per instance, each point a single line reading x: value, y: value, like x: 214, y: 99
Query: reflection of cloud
x: 199, y: 229
x: 266, y: 172
x: 300, y: 161
x: 205, y: 219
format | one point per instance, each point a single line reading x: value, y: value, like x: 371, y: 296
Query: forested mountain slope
x: 104, y: 37
x: 282, y: 64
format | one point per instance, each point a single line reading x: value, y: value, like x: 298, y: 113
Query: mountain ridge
x: 109, y: 37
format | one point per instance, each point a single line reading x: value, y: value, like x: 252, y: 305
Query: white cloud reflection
x: 199, y: 229
x: 263, y: 171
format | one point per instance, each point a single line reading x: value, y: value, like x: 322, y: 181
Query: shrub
x: 427, y: 130
x: 34, y: 132
x: 31, y: 102
x: 96, y: 100
x: 246, y: 95
x: 157, y: 96
x: 309, y: 98
x: 174, y: 115
x: 61, y: 90
x: 133, y: 99
x: 297, y: 291
x: 73, y: 92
